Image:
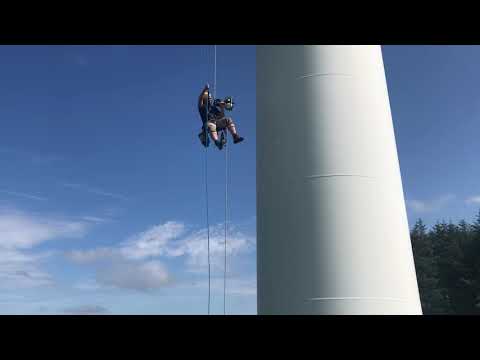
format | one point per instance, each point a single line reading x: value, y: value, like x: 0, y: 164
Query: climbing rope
x: 225, y: 136
x: 205, y: 130
x: 225, y: 241
x: 226, y: 189
x: 215, y: 72
x: 207, y: 213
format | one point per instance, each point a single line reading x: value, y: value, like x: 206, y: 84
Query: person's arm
x: 203, y: 98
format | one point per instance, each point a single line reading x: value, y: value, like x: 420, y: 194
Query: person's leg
x: 212, y: 127
x: 203, y: 136
x: 231, y: 127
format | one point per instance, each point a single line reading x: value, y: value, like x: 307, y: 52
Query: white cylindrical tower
x: 332, y: 229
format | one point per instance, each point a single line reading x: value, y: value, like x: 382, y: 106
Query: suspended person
x: 213, y: 117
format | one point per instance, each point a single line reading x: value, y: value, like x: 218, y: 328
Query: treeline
x: 447, y: 261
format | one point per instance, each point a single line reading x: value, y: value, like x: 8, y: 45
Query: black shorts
x: 221, y: 123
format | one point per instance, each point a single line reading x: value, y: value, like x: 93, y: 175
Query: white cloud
x: 23, y: 231
x: 473, y: 200
x: 234, y: 286
x: 92, y: 190
x: 127, y: 274
x: 95, y: 219
x: 421, y: 206
x: 21, y: 270
x: 136, y: 276
x: 23, y: 195
x: 86, y: 310
x: 126, y: 266
x: 242, y: 287
x: 195, y: 247
x: 88, y: 285
x: 171, y: 240
x: 152, y: 242
x: 147, y: 244
x: 19, y: 233
x: 93, y: 255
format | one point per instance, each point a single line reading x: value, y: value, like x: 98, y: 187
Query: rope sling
x: 207, y: 198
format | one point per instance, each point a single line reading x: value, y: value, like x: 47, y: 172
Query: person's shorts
x: 218, y: 124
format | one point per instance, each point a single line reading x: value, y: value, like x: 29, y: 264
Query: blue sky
x: 434, y: 95
x: 102, y: 205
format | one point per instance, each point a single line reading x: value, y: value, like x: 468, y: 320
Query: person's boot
x: 219, y: 144
x: 223, y: 139
x: 237, y: 139
x: 204, y: 139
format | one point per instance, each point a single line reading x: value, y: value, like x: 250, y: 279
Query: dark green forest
x: 447, y: 261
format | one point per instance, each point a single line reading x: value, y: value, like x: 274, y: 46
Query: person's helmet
x: 229, y: 103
